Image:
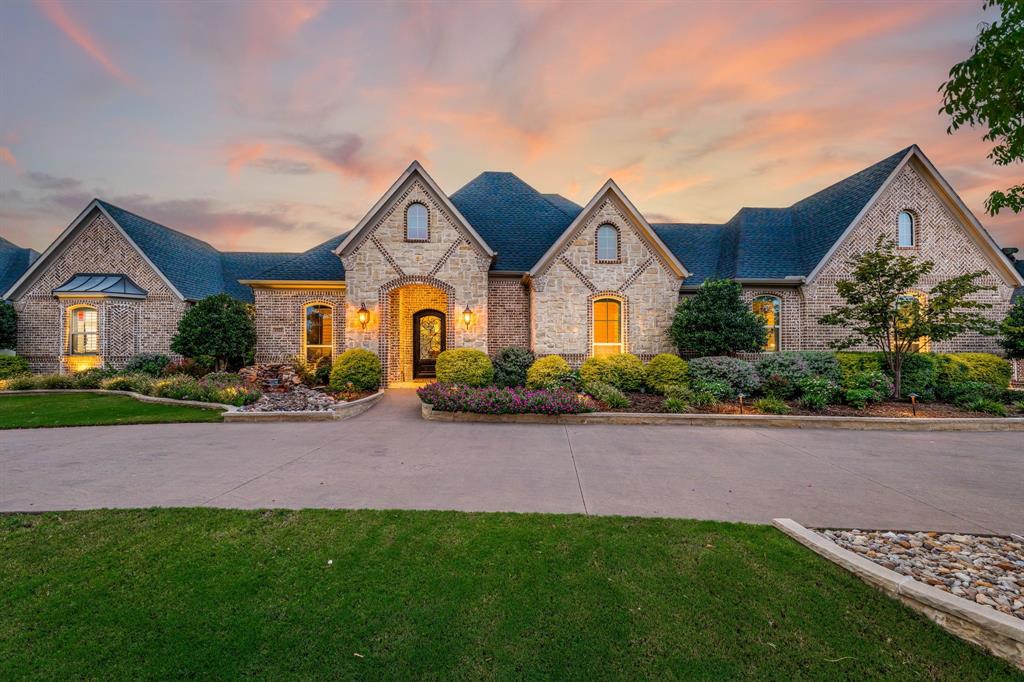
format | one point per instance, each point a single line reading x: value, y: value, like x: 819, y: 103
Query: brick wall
x: 508, y: 311
x: 281, y: 321
x: 790, y: 313
x: 126, y: 326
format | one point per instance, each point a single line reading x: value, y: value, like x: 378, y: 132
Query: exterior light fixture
x: 741, y: 396
x: 913, y: 402
x: 363, y: 315
x: 467, y: 317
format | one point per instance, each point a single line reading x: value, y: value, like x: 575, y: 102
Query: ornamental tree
x: 716, y: 321
x: 8, y: 325
x: 879, y: 312
x: 218, y: 328
x: 1011, y: 331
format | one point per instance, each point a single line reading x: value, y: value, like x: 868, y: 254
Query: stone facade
x: 126, y: 326
x: 940, y: 237
x: 281, y: 321
x: 381, y: 260
x: 508, y: 311
x: 564, y: 292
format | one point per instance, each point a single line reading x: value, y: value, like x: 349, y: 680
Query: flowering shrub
x: 740, y: 375
x: 193, y: 368
x: 494, y: 400
x: 817, y: 392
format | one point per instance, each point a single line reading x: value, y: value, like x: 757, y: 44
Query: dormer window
x: 608, y: 243
x: 906, y: 230
x: 416, y: 223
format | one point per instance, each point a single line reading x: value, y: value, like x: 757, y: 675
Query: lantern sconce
x: 467, y: 317
x: 363, y: 315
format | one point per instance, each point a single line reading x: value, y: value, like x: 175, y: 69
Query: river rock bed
x: 987, y: 570
x: 297, y: 399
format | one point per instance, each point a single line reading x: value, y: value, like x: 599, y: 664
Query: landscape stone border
x: 996, y: 632
x: 759, y: 420
x: 339, y: 412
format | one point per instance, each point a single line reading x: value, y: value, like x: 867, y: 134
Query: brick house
x: 494, y: 264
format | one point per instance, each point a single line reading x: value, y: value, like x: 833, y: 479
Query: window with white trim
x: 607, y: 243
x: 84, y: 330
x: 319, y: 333
x: 607, y: 326
x: 770, y: 310
x: 416, y: 223
x: 905, y: 229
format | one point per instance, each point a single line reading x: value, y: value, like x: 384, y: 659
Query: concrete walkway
x: 390, y: 458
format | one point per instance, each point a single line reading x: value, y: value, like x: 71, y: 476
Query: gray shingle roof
x: 318, y: 263
x: 93, y: 283
x: 14, y: 261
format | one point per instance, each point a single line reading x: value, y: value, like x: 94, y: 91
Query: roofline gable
x: 414, y: 169
x: 610, y: 187
x: 94, y: 205
x: 977, y: 230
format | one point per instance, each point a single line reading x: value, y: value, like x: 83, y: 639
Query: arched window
x: 607, y: 243
x: 909, y: 306
x: 416, y: 223
x: 319, y: 339
x: 607, y: 326
x: 84, y: 330
x: 770, y: 310
x: 906, y: 229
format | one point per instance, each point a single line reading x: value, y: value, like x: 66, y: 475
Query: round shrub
x: 771, y: 405
x: 356, y: 366
x: 781, y: 374
x: 821, y: 363
x: 12, y: 366
x: 547, y: 370
x: 955, y: 368
x: 738, y: 374
x: 92, y: 378
x: 663, y: 370
x: 466, y: 366
x: 596, y: 368
x: 624, y: 371
x: 511, y: 364
x: 152, y: 364
x: 851, y: 363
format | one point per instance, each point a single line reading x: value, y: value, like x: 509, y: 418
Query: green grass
x: 89, y: 409
x: 209, y: 594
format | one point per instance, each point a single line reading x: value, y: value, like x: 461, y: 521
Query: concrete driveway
x: 390, y: 458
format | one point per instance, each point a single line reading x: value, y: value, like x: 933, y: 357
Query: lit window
x: 319, y: 334
x: 85, y: 336
x: 607, y: 243
x: 909, y: 307
x: 416, y: 222
x: 607, y: 327
x: 770, y: 308
x: 906, y: 229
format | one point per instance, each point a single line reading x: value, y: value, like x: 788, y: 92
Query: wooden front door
x: 428, y: 340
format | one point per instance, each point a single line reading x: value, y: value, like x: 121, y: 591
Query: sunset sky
x: 273, y: 126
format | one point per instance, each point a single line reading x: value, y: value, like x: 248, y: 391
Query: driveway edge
x: 757, y: 420
x: 999, y: 634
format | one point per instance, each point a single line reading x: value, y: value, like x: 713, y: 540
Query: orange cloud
x: 7, y: 156
x: 55, y: 12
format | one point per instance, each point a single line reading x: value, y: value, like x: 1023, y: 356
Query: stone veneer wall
x: 939, y: 237
x: 281, y: 321
x: 508, y: 311
x: 563, y: 293
x: 126, y: 326
x: 382, y: 260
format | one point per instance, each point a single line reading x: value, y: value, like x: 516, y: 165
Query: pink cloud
x: 56, y: 13
x: 7, y: 157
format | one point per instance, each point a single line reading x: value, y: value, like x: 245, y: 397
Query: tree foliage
x: 716, y: 321
x: 879, y: 313
x: 219, y: 328
x: 1011, y: 331
x: 987, y: 89
x: 8, y: 325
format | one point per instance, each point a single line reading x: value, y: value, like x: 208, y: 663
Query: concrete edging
x: 759, y: 420
x: 340, y: 412
x: 999, y: 634
x: 131, y: 394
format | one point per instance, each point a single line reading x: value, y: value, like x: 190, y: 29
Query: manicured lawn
x: 218, y: 593
x: 87, y: 409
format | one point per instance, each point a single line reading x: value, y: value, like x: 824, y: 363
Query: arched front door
x: 428, y: 340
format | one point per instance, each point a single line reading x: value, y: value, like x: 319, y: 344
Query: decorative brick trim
x: 388, y: 338
x: 406, y: 223
x: 579, y: 273
x: 636, y: 274
x: 447, y: 254
x: 623, y: 318
x: 618, y: 244
x: 387, y: 256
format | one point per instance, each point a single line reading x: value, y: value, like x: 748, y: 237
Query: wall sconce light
x: 467, y: 317
x: 363, y: 315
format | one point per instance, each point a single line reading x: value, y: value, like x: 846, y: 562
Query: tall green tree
x: 8, y: 325
x: 716, y: 321
x: 219, y: 329
x: 1012, y: 331
x: 987, y: 89
x: 880, y: 310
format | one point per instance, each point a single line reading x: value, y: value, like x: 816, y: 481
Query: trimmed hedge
x: 928, y: 374
x: 466, y: 366
x: 356, y: 366
x: 12, y: 366
x: 955, y: 368
x: 494, y: 400
x: 624, y: 371
x: 547, y: 370
x: 663, y: 370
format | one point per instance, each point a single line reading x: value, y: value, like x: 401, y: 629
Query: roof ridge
x: 106, y: 203
x: 903, y: 152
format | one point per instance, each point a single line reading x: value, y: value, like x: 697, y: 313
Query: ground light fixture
x: 363, y: 315
x: 913, y: 402
x: 741, y: 396
x: 467, y: 317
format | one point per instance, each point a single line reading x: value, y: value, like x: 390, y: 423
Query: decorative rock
x: 271, y: 378
x: 298, y: 399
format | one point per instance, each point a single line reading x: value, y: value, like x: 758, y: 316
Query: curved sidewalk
x: 390, y: 458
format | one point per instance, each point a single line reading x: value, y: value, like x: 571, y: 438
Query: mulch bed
x: 647, y: 402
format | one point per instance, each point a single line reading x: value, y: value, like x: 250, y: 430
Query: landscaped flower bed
x: 494, y: 400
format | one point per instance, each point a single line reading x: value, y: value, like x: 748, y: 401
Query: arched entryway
x: 429, y: 339
x: 417, y: 320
